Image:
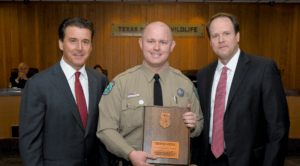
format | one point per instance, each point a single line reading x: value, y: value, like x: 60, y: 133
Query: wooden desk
x: 294, y: 112
x: 10, y: 106
x: 9, y: 114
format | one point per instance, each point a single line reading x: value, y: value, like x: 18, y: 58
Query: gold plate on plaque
x: 165, y: 149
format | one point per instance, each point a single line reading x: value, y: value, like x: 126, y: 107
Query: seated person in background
x: 20, y: 81
x: 98, y: 68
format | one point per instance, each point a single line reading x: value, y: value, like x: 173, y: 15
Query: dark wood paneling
x: 3, y: 72
x: 29, y: 33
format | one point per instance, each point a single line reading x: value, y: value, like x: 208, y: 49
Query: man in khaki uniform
x: 120, y: 125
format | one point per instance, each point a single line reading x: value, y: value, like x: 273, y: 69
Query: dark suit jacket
x: 51, y: 131
x: 21, y: 83
x: 256, y: 121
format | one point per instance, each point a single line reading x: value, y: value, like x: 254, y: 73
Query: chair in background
x: 191, y: 74
x: 105, y: 72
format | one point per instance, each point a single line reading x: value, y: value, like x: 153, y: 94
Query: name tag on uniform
x: 135, y: 95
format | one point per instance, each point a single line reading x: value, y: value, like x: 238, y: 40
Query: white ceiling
x: 219, y: 1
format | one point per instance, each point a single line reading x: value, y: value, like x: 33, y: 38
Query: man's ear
x: 238, y: 37
x: 141, y: 43
x: 61, y: 45
x: 173, y: 45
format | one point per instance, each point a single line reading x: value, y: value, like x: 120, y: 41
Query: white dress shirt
x: 231, y: 65
x: 83, y: 78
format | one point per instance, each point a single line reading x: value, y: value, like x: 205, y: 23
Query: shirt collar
x: 149, y: 74
x: 70, y: 71
x: 231, y: 65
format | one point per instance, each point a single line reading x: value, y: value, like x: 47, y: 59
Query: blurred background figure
x: 20, y: 80
x: 100, y: 69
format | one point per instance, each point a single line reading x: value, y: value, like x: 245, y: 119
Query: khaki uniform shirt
x: 121, y: 107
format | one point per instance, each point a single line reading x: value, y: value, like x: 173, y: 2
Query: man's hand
x: 189, y: 118
x: 21, y: 75
x: 138, y: 158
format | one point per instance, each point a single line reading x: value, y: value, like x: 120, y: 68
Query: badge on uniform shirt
x: 109, y: 88
x: 141, y: 102
x: 134, y: 94
x: 196, y: 93
x: 180, y: 92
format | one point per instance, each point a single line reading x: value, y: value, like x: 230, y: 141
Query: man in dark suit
x: 246, y: 120
x: 59, y: 108
x: 22, y: 77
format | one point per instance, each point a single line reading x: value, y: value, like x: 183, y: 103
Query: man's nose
x: 157, y: 46
x: 79, y: 46
x: 221, y: 38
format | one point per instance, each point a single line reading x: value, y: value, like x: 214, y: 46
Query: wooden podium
x: 166, y: 136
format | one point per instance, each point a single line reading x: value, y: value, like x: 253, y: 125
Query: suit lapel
x: 239, y: 74
x: 209, y: 82
x: 61, y: 83
x: 92, y: 98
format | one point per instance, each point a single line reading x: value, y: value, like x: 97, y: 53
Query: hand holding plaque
x: 189, y: 118
x: 166, y: 134
x: 139, y: 157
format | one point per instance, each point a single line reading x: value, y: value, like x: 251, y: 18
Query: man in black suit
x: 20, y: 80
x: 246, y: 120
x: 59, y: 108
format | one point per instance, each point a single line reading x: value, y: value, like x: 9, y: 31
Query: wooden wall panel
x: 116, y: 55
x: 108, y: 45
x: 184, y: 43
x: 2, y: 48
x: 126, y: 40
x: 174, y: 58
x: 297, y: 62
x: 98, y: 46
x: 202, y: 46
x: 14, y: 36
x: 7, y: 37
x: 294, y: 48
x: 284, y: 45
x: 29, y: 33
x: 210, y: 54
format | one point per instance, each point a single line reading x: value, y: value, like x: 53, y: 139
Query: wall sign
x: 136, y: 29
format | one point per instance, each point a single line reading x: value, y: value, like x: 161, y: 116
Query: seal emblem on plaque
x: 165, y: 120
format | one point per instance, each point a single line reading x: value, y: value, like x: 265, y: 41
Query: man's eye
x: 150, y: 41
x: 72, y: 40
x: 163, y: 42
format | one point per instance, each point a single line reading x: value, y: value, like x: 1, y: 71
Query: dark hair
x: 76, y: 22
x: 98, y: 66
x: 233, y: 19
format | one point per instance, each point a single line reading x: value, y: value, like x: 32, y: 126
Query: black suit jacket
x: 256, y: 121
x: 51, y: 131
x: 21, y: 83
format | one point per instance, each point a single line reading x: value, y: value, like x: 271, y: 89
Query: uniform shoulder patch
x: 109, y: 88
x: 196, y: 92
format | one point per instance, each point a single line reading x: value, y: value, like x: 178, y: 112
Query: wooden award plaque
x: 166, y: 136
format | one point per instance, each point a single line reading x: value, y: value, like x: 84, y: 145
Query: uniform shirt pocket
x: 132, y: 112
x: 180, y: 101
